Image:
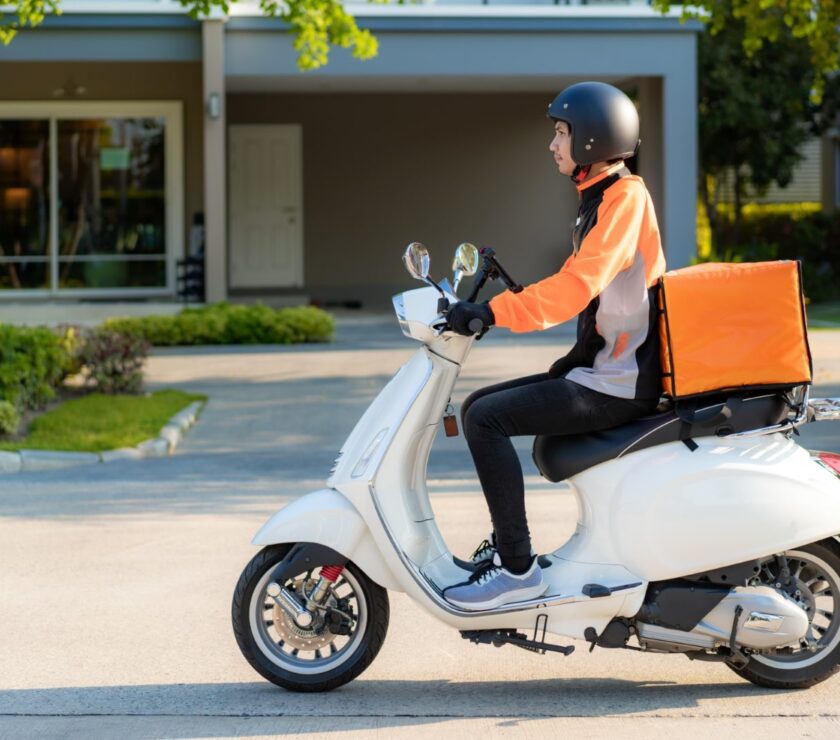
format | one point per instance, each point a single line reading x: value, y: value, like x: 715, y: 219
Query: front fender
x: 326, y: 517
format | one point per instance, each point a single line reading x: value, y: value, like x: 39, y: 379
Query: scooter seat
x: 561, y: 457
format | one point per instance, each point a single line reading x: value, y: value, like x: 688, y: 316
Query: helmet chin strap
x: 580, y: 174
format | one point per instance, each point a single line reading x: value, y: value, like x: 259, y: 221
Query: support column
x: 650, y: 163
x: 680, y: 153
x: 215, y: 159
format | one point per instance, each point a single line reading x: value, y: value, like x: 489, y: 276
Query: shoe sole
x: 505, y: 599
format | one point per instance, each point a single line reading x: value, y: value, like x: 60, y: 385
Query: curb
x: 161, y: 446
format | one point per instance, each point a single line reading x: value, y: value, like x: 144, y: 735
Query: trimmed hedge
x: 33, y: 362
x: 223, y: 323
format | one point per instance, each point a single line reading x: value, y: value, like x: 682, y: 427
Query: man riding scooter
x: 612, y: 374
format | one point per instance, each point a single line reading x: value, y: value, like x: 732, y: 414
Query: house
x: 123, y: 122
x: 815, y: 178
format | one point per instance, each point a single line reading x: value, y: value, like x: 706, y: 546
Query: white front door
x: 265, y: 241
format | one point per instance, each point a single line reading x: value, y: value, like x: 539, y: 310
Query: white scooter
x: 708, y: 532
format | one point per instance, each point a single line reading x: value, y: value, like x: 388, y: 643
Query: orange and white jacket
x: 610, y: 282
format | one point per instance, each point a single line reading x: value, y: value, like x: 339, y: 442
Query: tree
x: 756, y: 110
x: 316, y: 24
x: 767, y: 21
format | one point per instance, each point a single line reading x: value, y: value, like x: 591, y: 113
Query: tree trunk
x: 736, y: 223
x: 708, y: 206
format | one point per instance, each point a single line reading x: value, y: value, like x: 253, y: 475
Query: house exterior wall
x: 427, y: 156
x: 383, y: 170
x: 494, y: 54
x: 806, y: 185
x: 124, y: 81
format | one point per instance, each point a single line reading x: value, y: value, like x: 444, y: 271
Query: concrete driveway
x: 116, y: 579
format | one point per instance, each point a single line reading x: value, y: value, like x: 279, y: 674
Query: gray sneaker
x: 496, y: 586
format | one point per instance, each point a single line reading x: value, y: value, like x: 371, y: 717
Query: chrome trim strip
x: 764, y: 622
x: 439, y: 601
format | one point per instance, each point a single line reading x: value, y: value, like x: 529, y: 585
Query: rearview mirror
x: 417, y: 261
x: 466, y: 262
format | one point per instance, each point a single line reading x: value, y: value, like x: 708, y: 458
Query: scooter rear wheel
x: 816, y: 568
x: 313, y: 659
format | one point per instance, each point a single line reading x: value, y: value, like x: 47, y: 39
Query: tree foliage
x: 316, y: 25
x: 765, y: 22
x: 25, y: 13
x: 757, y: 110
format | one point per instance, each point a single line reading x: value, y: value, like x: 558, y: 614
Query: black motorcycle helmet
x: 603, y: 122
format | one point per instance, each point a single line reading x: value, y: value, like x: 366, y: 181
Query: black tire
x: 362, y: 649
x: 761, y: 670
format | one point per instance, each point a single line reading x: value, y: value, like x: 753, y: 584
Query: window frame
x: 172, y: 113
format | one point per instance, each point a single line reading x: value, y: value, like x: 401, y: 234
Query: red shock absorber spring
x: 332, y: 572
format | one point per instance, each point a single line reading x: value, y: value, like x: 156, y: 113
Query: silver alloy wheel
x: 819, y: 585
x: 323, y: 654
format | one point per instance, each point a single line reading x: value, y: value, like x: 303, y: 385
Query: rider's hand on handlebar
x: 464, y: 317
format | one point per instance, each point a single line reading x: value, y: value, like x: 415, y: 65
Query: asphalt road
x: 116, y: 579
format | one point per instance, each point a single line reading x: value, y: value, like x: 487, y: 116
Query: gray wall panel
x: 458, y: 54
x: 77, y: 45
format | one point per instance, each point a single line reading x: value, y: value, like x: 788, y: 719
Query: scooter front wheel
x: 314, y: 658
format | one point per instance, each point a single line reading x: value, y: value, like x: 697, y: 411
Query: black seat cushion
x: 561, y: 457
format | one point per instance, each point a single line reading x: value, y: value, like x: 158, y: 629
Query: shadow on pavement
x: 427, y: 701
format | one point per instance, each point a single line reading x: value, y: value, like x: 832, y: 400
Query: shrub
x: 9, y: 418
x: 779, y: 233
x: 114, y: 361
x: 224, y: 323
x: 33, y: 361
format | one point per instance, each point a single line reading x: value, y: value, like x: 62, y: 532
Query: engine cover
x: 769, y: 620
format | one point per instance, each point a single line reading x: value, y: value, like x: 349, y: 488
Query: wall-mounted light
x: 70, y: 89
x: 214, y: 106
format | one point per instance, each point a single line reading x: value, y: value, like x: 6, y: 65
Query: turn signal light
x: 830, y: 460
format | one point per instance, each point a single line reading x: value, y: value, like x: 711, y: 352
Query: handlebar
x: 492, y: 270
x: 476, y: 326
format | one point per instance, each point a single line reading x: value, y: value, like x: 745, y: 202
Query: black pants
x: 530, y: 406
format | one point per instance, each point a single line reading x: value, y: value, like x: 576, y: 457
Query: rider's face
x: 561, y: 148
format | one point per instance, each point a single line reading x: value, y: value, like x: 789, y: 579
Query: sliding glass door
x: 91, y: 198
x: 24, y: 204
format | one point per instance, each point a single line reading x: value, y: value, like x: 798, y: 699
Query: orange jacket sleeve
x: 608, y: 248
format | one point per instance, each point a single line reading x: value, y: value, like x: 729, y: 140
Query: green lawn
x: 96, y: 423
x: 824, y: 315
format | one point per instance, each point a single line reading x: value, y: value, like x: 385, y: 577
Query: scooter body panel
x: 327, y: 518
x: 666, y: 511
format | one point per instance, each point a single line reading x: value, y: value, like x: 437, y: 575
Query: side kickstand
x: 736, y: 657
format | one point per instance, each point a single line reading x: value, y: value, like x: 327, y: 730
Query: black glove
x: 463, y: 313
